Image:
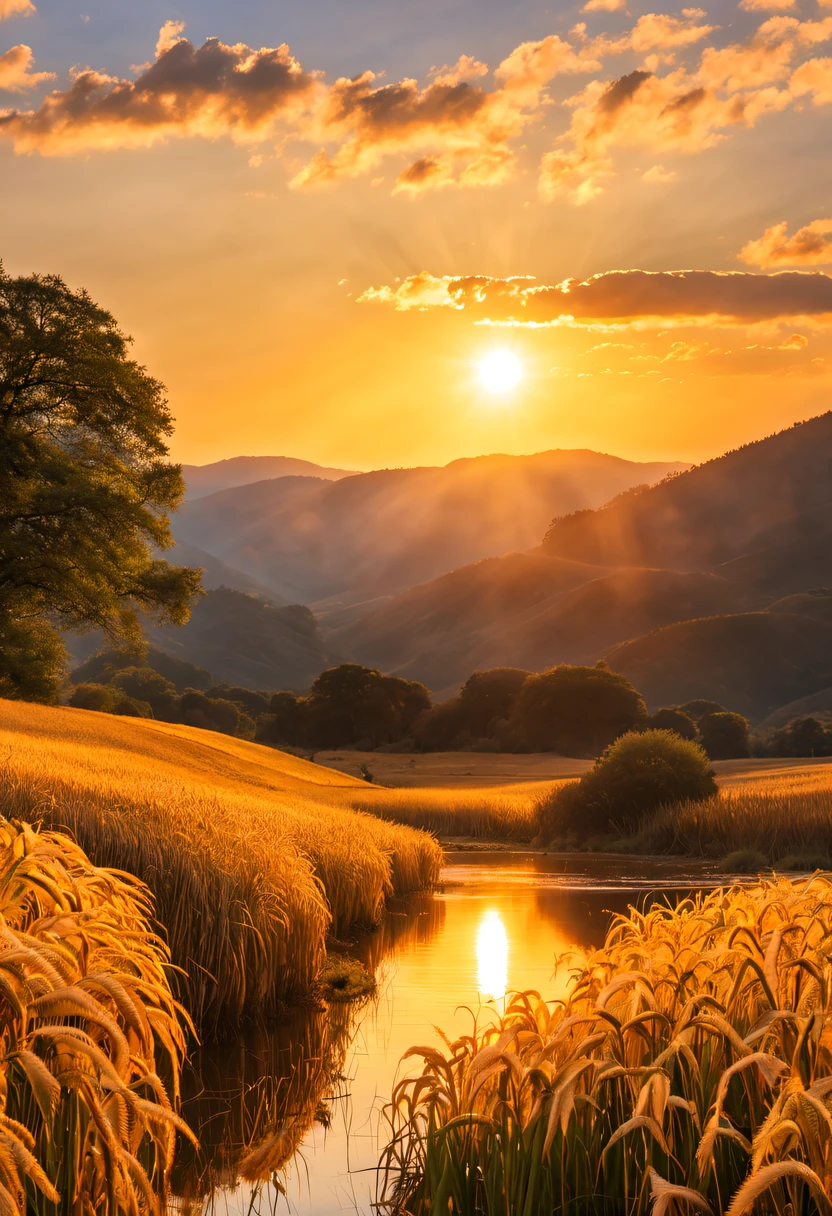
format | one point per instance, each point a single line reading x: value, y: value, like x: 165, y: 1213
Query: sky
x: 317, y: 219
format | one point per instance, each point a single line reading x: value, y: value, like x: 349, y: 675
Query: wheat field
x: 688, y: 1070
x: 88, y: 1026
x: 252, y: 856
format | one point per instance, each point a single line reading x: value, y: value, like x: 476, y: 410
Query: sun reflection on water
x: 492, y: 957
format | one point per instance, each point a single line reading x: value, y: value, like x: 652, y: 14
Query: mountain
x: 242, y: 640
x: 378, y: 533
x: 524, y: 610
x: 760, y: 516
x: 202, y: 479
x: 818, y: 705
x: 216, y: 574
x: 751, y: 662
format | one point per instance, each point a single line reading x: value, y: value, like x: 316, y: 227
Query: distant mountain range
x: 202, y: 479
x: 368, y: 535
x: 711, y: 581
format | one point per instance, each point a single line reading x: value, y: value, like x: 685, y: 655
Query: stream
x: 311, y: 1091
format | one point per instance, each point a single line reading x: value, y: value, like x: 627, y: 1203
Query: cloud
x: 209, y: 90
x: 16, y: 8
x: 169, y: 35
x: 657, y: 31
x: 465, y: 68
x: 766, y: 6
x: 814, y: 77
x: 16, y: 73
x: 621, y: 297
x: 810, y: 246
x: 658, y: 175
x: 604, y: 6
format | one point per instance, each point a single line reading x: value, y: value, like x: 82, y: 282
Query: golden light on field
x: 500, y: 371
x: 492, y: 957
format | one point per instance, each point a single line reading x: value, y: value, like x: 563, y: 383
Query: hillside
x: 752, y: 662
x: 202, y: 479
x: 243, y: 640
x: 378, y: 533
x: 523, y: 610
x: 252, y: 855
x: 761, y: 516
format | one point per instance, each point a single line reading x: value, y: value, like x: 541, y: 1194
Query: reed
x: 689, y: 1069
x: 249, y: 855
x: 88, y: 1023
x: 502, y: 813
x: 777, y: 819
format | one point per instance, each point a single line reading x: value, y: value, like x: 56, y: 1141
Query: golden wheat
x: 689, y: 1069
x: 777, y: 818
x: 87, y: 1023
x: 500, y: 813
x: 249, y: 855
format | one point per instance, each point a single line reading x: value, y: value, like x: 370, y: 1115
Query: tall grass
x: 87, y: 1025
x: 250, y: 863
x: 501, y: 813
x: 688, y: 1070
x: 774, y: 819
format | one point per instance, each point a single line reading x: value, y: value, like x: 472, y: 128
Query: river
x: 312, y: 1090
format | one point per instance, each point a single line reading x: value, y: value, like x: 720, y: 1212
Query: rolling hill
x: 378, y: 533
x: 760, y: 516
x: 202, y: 479
x: 523, y: 610
x: 751, y: 662
x: 242, y: 640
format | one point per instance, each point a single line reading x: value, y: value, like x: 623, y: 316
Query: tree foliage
x: 725, y: 736
x: 85, y: 486
x: 577, y: 711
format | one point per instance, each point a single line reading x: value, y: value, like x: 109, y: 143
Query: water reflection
x: 300, y: 1104
x: 492, y: 957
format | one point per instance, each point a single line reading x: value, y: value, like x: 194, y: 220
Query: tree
x: 145, y: 684
x: 489, y: 696
x: 724, y: 736
x: 355, y: 704
x: 637, y: 774
x: 576, y: 710
x: 697, y: 708
x: 85, y: 487
x: 673, y: 719
x: 801, y: 737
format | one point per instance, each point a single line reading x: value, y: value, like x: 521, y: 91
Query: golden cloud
x: 621, y: 296
x: 16, y: 73
x: 16, y: 8
x: 810, y: 246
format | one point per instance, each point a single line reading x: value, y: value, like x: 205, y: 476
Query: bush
x: 637, y: 774
x: 577, y: 711
x: 673, y: 719
x: 744, y: 861
x: 487, y: 697
x: 725, y: 736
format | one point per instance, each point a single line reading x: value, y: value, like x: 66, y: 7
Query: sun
x: 500, y: 371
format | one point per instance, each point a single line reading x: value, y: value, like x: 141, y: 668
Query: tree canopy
x: 85, y: 484
x: 576, y: 710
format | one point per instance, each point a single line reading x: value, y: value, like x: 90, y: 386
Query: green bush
x: 725, y: 736
x: 637, y: 774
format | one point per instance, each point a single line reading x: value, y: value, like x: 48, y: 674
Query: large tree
x: 85, y: 484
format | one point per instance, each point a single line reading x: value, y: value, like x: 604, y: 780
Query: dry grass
x: 251, y: 855
x: 505, y: 813
x: 688, y: 1070
x: 777, y: 818
x: 88, y: 1022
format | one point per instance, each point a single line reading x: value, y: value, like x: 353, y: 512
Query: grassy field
x: 689, y: 1070
x: 792, y: 798
x: 252, y: 856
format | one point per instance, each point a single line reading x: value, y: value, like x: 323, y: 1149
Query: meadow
x: 688, y: 1070
x: 253, y: 857
x: 778, y: 808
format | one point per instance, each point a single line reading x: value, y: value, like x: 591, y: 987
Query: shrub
x: 577, y: 711
x: 637, y: 774
x: 673, y: 719
x: 724, y: 736
x: 489, y: 696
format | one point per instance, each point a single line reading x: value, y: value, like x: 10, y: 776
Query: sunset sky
x: 317, y: 218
